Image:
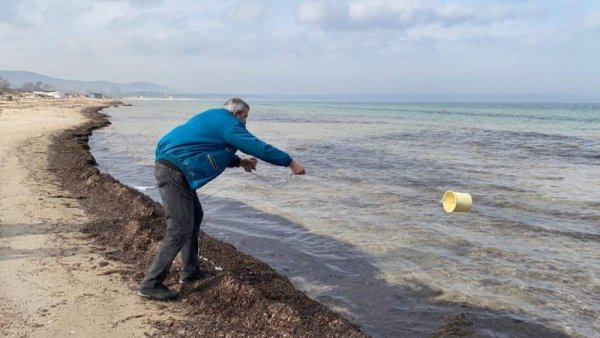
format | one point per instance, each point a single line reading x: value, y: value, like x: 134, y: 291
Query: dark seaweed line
x: 123, y: 216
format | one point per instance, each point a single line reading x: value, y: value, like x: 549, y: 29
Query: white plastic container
x: 457, y: 201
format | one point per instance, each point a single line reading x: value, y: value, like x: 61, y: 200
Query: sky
x: 325, y: 47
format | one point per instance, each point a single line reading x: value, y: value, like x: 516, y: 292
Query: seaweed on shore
x: 247, y: 298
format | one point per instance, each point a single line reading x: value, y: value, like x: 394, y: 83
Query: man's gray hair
x: 236, y: 105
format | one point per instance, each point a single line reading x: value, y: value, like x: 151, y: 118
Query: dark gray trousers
x: 184, y: 215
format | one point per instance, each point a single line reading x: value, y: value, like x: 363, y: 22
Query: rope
x: 363, y: 187
x: 325, y: 178
x: 273, y: 184
x: 334, y: 180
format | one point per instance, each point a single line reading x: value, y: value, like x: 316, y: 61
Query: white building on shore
x: 56, y: 95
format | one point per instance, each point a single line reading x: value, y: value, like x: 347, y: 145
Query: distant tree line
x: 38, y: 86
x: 6, y: 87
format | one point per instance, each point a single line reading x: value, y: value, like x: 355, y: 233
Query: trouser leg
x: 189, y: 252
x: 179, y: 204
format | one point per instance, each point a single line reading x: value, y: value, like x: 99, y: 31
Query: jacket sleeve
x: 239, y: 137
x: 235, y: 162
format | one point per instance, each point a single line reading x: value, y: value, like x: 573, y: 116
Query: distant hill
x: 18, y: 78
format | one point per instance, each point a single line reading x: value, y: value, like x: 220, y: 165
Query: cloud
x: 246, y: 10
x: 145, y: 3
x: 592, y: 20
x: 312, y: 12
x: 42, y: 15
x: 148, y: 22
x: 399, y: 28
x: 453, y: 14
x: 309, y: 41
x: 366, y: 15
x: 371, y: 10
x: 355, y: 15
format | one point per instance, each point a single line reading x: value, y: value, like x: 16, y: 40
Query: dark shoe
x: 192, y: 278
x: 159, y: 292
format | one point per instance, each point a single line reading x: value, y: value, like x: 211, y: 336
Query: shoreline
x: 382, y: 309
x: 246, y: 298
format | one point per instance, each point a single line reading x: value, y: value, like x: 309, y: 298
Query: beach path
x: 53, y: 282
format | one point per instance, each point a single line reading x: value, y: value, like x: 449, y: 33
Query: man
x: 188, y: 157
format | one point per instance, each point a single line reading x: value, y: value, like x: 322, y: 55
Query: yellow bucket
x: 457, y: 201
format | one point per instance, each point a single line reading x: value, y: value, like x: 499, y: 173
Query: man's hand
x: 297, y: 168
x: 248, y: 164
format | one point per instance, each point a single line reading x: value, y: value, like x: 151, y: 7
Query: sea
x: 364, y: 231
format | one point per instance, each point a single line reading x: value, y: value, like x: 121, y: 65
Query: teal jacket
x: 206, y: 144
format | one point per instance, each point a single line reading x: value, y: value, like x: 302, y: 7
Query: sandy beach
x: 54, y: 281
x: 74, y: 243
